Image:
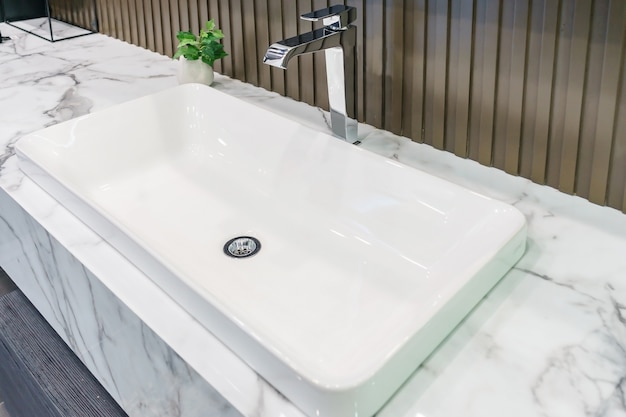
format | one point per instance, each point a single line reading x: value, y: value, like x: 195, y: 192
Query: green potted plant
x: 196, y: 54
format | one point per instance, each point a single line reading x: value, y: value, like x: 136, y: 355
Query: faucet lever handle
x: 337, y: 16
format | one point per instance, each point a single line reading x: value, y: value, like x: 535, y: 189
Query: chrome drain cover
x: 242, y: 247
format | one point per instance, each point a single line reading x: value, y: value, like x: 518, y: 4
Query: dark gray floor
x: 6, y: 286
x: 39, y: 375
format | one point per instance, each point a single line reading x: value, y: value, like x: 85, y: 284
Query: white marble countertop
x: 549, y: 340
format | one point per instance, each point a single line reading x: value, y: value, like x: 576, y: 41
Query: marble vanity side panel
x: 140, y: 371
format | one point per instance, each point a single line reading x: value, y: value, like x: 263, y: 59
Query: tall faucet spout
x: 280, y: 53
x: 338, y: 41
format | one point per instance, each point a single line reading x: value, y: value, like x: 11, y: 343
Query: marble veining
x: 549, y: 340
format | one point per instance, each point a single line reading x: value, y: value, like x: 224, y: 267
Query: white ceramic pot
x: 194, y: 72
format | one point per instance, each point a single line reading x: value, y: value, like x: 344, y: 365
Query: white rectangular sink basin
x: 365, y: 265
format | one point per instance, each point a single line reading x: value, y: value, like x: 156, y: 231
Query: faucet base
x: 344, y: 127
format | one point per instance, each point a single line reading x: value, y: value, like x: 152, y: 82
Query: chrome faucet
x: 338, y: 41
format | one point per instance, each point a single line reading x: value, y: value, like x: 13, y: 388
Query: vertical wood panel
x: 237, y: 40
x: 605, y: 59
x: 569, y: 86
x: 91, y: 16
x: 103, y: 22
x: 290, y: 29
x: 458, y: 78
x: 275, y: 15
x: 141, y: 24
x: 85, y: 9
x: 617, y: 175
x: 117, y: 18
x: 223, y: 22
x: 67, y: 9
x: 173, y: 18
x: 150, y: 29
x: 532, y: 87
x: 77, y: 12
x: 195, y: 18
x: 510, y: 90
x: 484, y: 67
x: 108, y: 8
x: 73, y: 11
x: 414, y: 68
x: 158, y: 26
x: 612, y: 84
x: 394, y: 49
x: 56, y: 9
x: 306, y: 64
x: 70, y: 11
x: 127, y: 28
x: 166, y: 26
x: 538, y: 88
x: 205, y: 14
x: 374, y: 55
x: 263, y: 41
x: 213, y: 12
x: 591, y: 93
x: 252, y: 56
x: 183, y: 15
x: 436, y: 69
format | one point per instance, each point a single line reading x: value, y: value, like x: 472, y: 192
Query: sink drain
x: 242, y: 247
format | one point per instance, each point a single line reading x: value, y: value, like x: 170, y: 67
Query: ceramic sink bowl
x: 350, y: 269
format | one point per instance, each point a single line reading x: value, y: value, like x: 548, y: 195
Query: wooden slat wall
x: 534, y: 87
x: 77, y: 12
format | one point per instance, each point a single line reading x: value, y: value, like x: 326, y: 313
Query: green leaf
x: 185, y: 36
x: 212, y: 52
x: 218, y: 34
x: 190, y: 52
x: 188, y: 42
x: 206, y: 46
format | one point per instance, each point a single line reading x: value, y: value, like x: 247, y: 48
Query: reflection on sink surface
x: 362, y: 265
